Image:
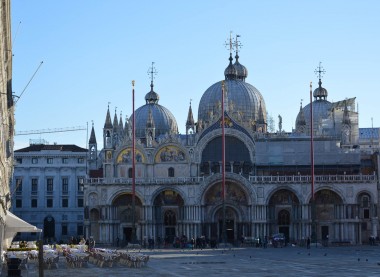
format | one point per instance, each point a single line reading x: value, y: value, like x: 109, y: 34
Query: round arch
x: 247, y: 141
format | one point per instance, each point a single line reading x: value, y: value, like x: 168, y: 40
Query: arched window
x: 171, y: 172
x: 170, y: 218
x: 284, y: 217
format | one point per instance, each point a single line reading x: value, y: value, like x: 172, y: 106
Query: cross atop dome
x: 320, y: 71
x: 229, y: 44
x: 237, y: 44
x: 152, y: 72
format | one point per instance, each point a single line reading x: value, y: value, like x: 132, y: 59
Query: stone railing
x: 317, y: 179
x: 144, y: 181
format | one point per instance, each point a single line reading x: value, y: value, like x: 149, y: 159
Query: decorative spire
x: 92, y: 136
x: 150, y: 121
x: 151, y: 97
x: 320, y: 92
x: 260, y: 119
x: 121, y: 125
x: 241, y: 70
x: 301, y: 118
x: 190, y: 118
x: 346, y: 116
x: 115, y: 121
x: 108, y: 123
x: 230, y: 72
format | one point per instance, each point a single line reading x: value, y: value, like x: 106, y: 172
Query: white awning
x: 13, y: 225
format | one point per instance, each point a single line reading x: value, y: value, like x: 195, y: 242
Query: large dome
x: 243, y: 99
x: 321, y: 115
x: 163, y: 120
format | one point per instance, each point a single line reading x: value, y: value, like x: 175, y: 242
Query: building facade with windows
x: 6, y: 113
x: 268, y: 175
x: 48, y: 187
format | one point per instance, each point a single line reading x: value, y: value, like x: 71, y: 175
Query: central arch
x: 168, y: 215
x: 125, y: 214
x: 284, y: 214
x: 237, y: 206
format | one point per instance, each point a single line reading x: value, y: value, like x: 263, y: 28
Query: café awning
x: 13, y: 225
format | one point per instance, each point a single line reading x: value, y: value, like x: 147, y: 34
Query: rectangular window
x: 80, y: 160
x: 65, y: 160
x: 34, y: 185
x: 65, y: 185
x: 80, y: 185
x: 49, y: 160
x: 80, y: 202
x: 33, y: 203
x: 18, y: 203
x: 18, y: 186
x: 49, y: 203
x: 65, y: 202
x: 49, y: 185
x: 64, y: 230
x: 19, y: 160
x: 34, y: 161
x: 366, y: 213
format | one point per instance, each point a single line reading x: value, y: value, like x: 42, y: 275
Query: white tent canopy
x: 13, y: 225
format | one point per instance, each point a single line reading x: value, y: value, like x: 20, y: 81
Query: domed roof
x: 241, y: 70
x: 163, y: 120
x: 242, y: 98
x: 230, y: 72
x: 320, y: 92
x: 151, y: 96
x: 321, y: 112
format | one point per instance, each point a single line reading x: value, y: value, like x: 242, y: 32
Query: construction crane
x: 55, y: 130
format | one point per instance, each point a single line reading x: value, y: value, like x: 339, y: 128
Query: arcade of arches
x: 285, y: 212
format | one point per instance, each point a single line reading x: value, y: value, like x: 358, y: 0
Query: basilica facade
x: 268, y: 180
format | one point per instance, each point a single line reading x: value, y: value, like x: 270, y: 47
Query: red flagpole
x: 223, y: 169
x: 133, y: 165
x: 312, y: 142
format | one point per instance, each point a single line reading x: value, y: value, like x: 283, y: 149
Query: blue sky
x: 93, y: 49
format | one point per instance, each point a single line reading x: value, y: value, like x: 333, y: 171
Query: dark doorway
x: 229, y: 230
x: 325, y: 235
x: 127, y: 234
x: 49, y: 228
x: 169, y: 235
x: 285, y: 231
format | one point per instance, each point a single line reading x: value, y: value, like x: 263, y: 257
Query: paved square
x: 287, y: 261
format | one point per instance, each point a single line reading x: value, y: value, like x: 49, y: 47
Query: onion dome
x: 164, y: 121
x: 241, y: 70
x: 151, y: 97
x: 230, y: 72
x: 320, y: 92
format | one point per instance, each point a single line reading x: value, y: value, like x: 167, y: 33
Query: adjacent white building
x: 48, y: 189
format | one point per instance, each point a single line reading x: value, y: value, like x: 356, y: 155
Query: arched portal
x: 284, y: 214
x: 168, y: 215
x: 236, y: 203
x: 127, y: 216
x: 328, y: 207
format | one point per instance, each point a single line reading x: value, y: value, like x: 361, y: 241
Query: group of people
x: 82, y: 241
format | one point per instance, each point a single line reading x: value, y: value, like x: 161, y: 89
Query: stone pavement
x: 287, y: 261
